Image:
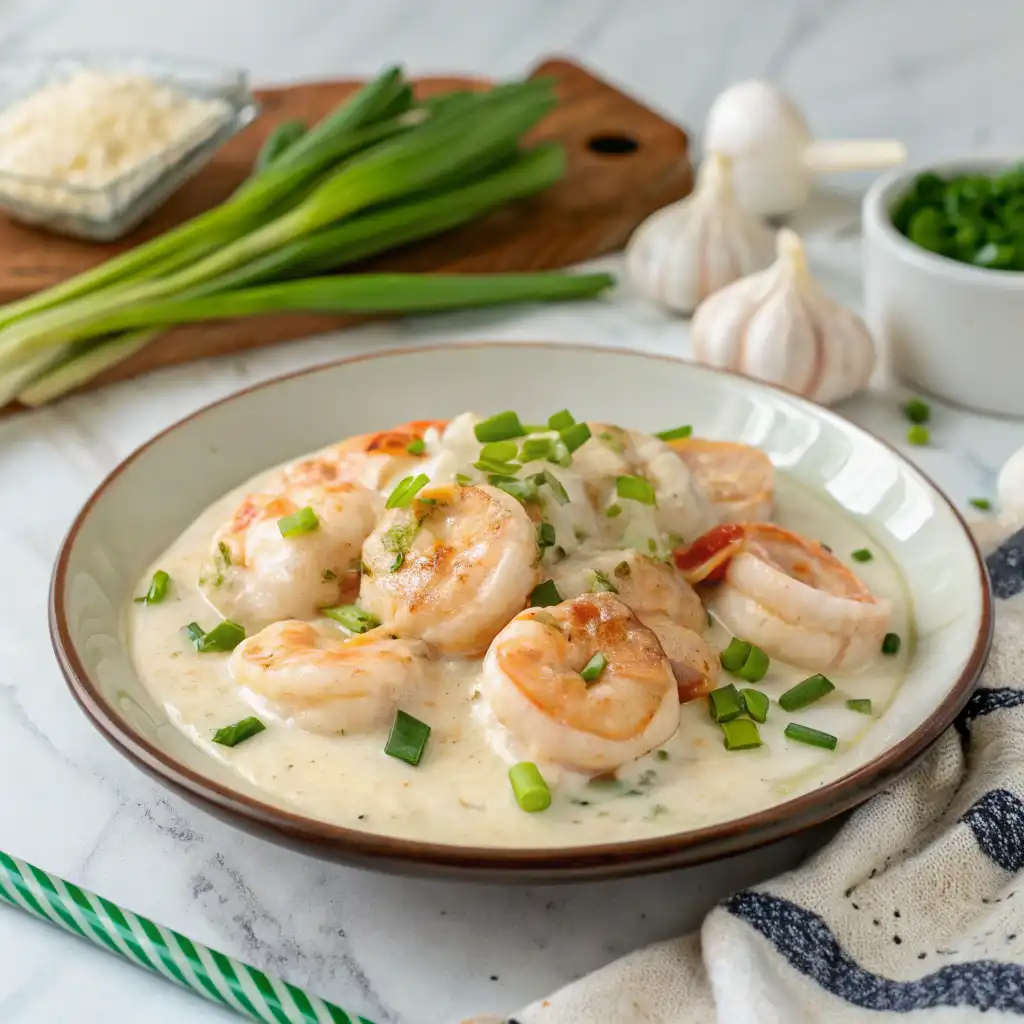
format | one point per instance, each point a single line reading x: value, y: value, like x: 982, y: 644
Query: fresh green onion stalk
x: 377, y: 173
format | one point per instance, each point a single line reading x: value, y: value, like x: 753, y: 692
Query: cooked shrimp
x: 680, y: 508
x: 788, y: 595
x: 375, y: 460
x: 661, y: 599
x: 648, y: 585
x: 258, y: 576
x: 548, y: 712
x: 737, y: 478
x: 324, y: 681
x: 453, y: 568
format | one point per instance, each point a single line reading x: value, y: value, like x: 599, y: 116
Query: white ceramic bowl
x: 949, y: 328
x: 171, y: 479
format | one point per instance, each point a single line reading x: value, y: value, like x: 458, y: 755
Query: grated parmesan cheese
x: 92, y: 127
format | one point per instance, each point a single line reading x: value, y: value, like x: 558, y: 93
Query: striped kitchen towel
x: 914, y: 912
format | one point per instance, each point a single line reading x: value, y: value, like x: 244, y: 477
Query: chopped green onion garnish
x: 545, y: 535
x: 232, y: 735
x: 860, y: 704
x: 522, y: 490
x: 813, y: 737
x: 407, y: 739
x: 328, y: 575
x: 734, y: 657
x: 575, y: 436
x: 623, y: 569
x: 756, y: 704
x: 591, y: 672
x: 806, y: 692
x: 535, y: 428
x: 417, y: 446
x: 544, y: 595
x: 918, y: 435
x: 535, y: 448
x: 982, y: 504
x: 528, y: 785
x: 397, y: 561
x: 157, y: 589
x: 861, y: 555
x: 502, y: 427
x: 725, y: 703
x: 303, y: 521
x: 351, y: 617
x: 755, y: 668
x: 741, y: 734
x: 497, y: 468
x: 917, y: 411
x: 675, y: 433
x: 195, y: 633
x: 225, y: 636
x: 398, y: 538
x: 891, y: 643
x: 661, y: 755
x: 561, y: 420
x: 552, y: 481
x: 462, y: 480
x: 635, y: 488
x: 499, y: 451
x: 406, y: 490
x: 612, y: 511
x: 600, y: 584
x: 225, y: 552
x: 560, y: 454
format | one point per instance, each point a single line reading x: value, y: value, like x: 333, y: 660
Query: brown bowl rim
x: 600, y: 860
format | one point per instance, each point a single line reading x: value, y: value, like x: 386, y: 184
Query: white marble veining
x: 938, y: 74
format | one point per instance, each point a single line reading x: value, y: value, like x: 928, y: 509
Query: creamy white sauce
x: 460, y: 792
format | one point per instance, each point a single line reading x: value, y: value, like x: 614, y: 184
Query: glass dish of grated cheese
x: 89, y: 146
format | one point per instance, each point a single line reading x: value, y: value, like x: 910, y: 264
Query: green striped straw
x: 134, y: 938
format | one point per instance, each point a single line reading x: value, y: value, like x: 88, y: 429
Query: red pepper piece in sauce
x: 707, y: 558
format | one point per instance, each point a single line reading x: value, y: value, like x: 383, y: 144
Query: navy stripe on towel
x: 1006, y: 566
x: 997, y: 821
x: 806, y: 942
x: 986, y: 700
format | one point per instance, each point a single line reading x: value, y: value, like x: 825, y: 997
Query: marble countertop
x: 939, y: 75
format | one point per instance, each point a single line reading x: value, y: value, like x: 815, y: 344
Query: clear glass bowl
x: 108, y: 211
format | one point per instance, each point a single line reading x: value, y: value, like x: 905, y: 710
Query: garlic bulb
x: 774, y: 156
x: 779, y: 326
x: 686, y: 251
x: 1011, y: 489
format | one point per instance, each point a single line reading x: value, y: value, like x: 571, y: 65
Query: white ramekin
x: 949, y: 328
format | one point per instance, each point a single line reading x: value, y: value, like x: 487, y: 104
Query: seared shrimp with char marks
x: 259, y: 576
x: 375, y: 460
x: 549, y: 712
x: 324, y: 681
x: 452, y: 568
x: 661, y: 599
x: 790, y: 596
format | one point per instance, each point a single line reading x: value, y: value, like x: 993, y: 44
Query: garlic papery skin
x: 780, y: 327
x: 684, y: 252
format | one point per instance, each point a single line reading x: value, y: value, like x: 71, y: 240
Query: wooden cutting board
x: 624, y: 162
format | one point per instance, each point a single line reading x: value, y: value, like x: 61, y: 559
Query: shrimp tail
x: 707, y: 558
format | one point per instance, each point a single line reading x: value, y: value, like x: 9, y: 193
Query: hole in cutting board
x: 612, y: 144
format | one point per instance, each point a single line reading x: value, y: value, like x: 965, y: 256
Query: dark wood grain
x: 591, y: 211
